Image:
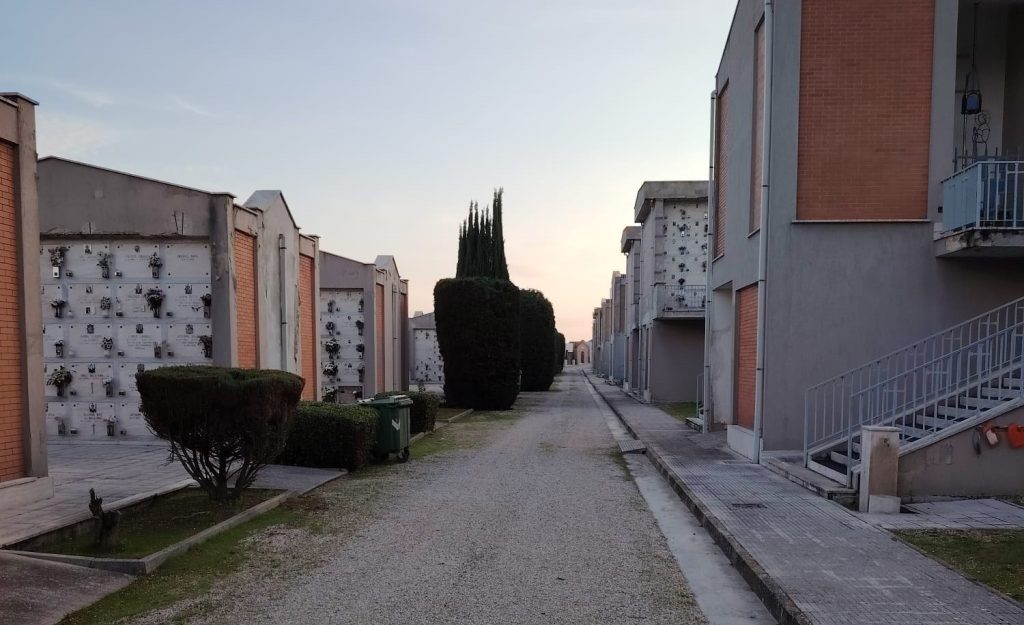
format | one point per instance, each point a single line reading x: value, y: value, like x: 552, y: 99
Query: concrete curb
x: 143, y: 566
x: 73, y: 520
x: 442, y: 423
x: 780, y: 605
x: 464, y: 413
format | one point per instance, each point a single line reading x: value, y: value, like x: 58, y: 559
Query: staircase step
x: 914, y: 433
x: 935, y: 423
x: 978, y: 402
x: 994, y: 392
x: 952, y: 412
x: 828, y: 472
x: 840, y: 457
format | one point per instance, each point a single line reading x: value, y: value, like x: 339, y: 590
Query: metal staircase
x: 946, y: 383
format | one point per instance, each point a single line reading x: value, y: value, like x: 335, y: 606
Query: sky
x: 380, y: 120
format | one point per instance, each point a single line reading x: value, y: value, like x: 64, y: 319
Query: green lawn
x: 154, y: 525
x: 191, y: 574
x: 680, y: 410
x: 443, y: 414
x: 993, y: 557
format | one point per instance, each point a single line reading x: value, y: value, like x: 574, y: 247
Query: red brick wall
x: 757, y: 142
x: 246, y: 302
x: 307, y: 326
x: 746, y: 355
x: 12, y: 391
x: 721, y: 182
x: 865, y: 106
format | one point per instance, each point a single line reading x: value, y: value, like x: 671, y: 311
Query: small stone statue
x: 105, y: 522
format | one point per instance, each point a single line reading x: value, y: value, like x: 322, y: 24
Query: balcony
x: 983, y: 211
x: 680, y: 302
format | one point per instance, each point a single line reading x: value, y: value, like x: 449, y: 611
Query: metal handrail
x: 912, y: 385
x: 985, y: 195
x: 682, y: 298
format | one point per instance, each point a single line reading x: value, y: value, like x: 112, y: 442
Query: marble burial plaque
x: 130, y: 420
x: 52, y: 293
x: 88, y: 379
x: 83, y: 261
x: 131, y: 300
x: 183, y: 340
x: 87, y: 300
x: 138, y: 340
x: 85, y: 340
x: 56, y: 411
x: 184, y: 301
x: 90, y: 418
x: 132, y: 259
x: 53, y: 333
x: 125, y: 384
x: 186, y: 261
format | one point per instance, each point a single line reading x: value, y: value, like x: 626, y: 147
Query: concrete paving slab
x: 809, y: 559
x: 35, y: 592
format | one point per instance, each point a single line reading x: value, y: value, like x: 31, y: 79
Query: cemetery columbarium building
x: 138, y: 274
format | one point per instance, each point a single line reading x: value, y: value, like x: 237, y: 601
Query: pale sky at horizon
x: 381, y: 120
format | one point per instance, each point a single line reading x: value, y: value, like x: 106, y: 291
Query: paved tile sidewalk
x: 811, y: 560
x: 968, y: 514
x: 119, y: 471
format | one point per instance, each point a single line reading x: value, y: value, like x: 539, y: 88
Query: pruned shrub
x: 478, y: 335
x: 220, y: 422
x: 423, y: 412
x: 334, y: 436
x: 536, y: 338
x: 559, y: 352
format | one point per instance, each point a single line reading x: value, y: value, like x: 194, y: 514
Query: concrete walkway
x: 810, y: 560
x: 121, y: 473
x: 524, y: 517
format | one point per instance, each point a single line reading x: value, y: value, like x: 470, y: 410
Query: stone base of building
x: 24, y: 491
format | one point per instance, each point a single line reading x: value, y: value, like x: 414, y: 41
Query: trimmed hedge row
x: 331, y: 436
x: 424, y: 409
x: 478, y: 335
x: 536, y: 338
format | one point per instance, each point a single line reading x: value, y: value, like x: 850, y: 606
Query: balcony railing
x: 689, y: 298
x: 987, y: 195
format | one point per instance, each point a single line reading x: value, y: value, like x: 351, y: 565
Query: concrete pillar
x: 880, y: 461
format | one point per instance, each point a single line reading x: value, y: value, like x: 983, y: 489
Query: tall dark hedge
x: 222, y: 424
x: 536, y: 338
x: 478, y: 335
x: 559, y: 352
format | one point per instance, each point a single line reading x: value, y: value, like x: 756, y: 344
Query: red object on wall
x: 1015, y: 434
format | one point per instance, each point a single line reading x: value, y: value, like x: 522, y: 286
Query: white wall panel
x: 107, y: 330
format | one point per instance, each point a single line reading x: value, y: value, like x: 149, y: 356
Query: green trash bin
x: 392, y: 426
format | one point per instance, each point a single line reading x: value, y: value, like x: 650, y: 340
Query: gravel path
x: 527, y: 517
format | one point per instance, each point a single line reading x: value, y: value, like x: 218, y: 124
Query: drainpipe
x: 762, y: 265
x: 706, y: 399
x: 281, y: 249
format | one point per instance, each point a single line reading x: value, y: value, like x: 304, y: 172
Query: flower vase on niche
x: 103, y: 262
x: 155, y: 263
x: 155, y: 299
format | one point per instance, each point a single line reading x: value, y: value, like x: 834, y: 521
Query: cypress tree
x: 472, y: 242
x: 500, y: 265
x: 460, y: 267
